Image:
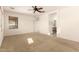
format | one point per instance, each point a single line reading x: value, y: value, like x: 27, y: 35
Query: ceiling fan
x: 37, y: 9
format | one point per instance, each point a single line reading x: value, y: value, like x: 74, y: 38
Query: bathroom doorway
x: 52, y: 24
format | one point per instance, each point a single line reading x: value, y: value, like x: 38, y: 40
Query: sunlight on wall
x: 30, y: 40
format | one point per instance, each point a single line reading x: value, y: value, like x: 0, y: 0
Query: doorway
x: 52, y: 24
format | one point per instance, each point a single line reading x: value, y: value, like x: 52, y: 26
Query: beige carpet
x: 42, y: 43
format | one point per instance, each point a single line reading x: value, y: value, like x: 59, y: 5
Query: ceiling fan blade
x: 35, y: 6
x: 41, y: 11
x: 40, y: 8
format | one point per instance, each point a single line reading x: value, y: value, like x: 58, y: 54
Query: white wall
x: 43, y: 25
x: 0, y: 28
x: 36, y: 24
x: 25, y: 24
x: 69, y: 20
x: 1, y: 24
x: 67, y: 23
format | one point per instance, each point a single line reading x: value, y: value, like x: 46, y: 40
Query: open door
x: 1, y: 25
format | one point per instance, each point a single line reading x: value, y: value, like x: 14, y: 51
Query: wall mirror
x: 13, y: 22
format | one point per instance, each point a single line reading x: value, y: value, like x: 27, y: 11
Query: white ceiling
x: 28, y: 9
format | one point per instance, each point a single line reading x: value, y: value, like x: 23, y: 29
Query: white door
x: 1, y: 26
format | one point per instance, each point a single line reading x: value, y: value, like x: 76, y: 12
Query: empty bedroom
x: 39, y: 28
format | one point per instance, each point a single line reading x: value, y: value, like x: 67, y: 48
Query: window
x: 13, y: 22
